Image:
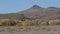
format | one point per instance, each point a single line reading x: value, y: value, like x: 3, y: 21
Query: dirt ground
x: 53, y: 29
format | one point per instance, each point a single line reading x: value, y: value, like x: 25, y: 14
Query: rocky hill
x: 35, y: 12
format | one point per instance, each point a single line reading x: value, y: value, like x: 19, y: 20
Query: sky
x: 12, y: 6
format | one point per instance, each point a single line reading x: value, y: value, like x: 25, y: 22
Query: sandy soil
x: 54, y: 29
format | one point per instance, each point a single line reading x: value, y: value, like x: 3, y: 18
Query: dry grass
x: 26, y: 28
x: 30, y: 30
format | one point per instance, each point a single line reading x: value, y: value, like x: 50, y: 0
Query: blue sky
x: 9, y: 6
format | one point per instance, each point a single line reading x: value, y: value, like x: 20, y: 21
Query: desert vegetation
x: 24, y: 23
x: 9, y: 22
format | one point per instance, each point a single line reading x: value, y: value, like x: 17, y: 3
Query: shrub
x: 54, y: 22
x: 36, y: 22
x: 25, y: 23
x: 39, y: 22
x: 8, y: 23
x: 44, y: 23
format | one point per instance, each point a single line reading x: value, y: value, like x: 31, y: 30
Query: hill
x: 35, y: 12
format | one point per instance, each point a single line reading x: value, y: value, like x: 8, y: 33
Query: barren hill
x: 35, y: 12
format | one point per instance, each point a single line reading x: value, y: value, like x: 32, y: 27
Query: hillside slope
x: 35, y: 12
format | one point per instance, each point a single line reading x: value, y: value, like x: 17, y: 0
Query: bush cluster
x: 46, y: 22
x: 54, y: 22
x: 14, y: 23
x: 8, y: 23
x: 24, y: 23
x: 29, y: 23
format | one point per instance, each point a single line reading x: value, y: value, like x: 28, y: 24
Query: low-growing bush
x: 36, y: 22
x: 39, y: 22
x: 44, y: 23
x: 54, y: 22
x: 8, y: 23
x: 25, y: 23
